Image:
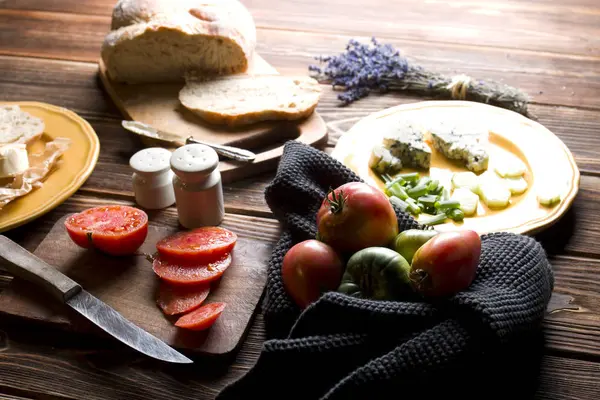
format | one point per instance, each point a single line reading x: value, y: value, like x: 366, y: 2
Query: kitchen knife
x: 146, y: 130
x: 26, y: 265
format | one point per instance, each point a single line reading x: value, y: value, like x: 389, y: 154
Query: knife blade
x: 20, y: 262
x: 142, y: 129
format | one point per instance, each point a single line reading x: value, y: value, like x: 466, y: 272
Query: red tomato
x: 174, y: 299
x: 446, y: 264
x: 115, y: 229
x: 202, y: 318
x: 190, y: 274
x: 309, y: 269
x: 355, y: 216
x: 200, y: 245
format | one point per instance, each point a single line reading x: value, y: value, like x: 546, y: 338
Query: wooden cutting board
x: 158, y: 105
x: 128, y: 284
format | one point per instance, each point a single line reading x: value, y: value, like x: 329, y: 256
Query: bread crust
x: 308, y: 90
x: 227, y: 21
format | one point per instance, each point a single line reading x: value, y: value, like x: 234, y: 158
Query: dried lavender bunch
x: 365, y: 68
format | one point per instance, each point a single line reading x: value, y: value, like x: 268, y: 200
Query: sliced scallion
x: 447, y: 204
x: 434, y: 220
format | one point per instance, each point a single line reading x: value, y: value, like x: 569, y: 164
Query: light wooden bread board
x: 158, y: 105
x: 128, y: 284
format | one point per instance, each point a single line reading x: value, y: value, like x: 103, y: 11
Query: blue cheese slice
x: 406, y: 142
x: 463, y: 142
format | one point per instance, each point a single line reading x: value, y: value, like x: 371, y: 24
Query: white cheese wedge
x: 464, y: 141
x: 13, y: 160
x: 405, y: 141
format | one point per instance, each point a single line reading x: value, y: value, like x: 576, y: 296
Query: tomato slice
x: 114, y: 229
x: 173, y: 299
x: 202, y: 318
x: 190, y: 274
x: 200, y: 245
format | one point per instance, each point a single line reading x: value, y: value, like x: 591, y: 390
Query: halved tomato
x: 174, y: 299
x: 114, y: 229
x: 201, y: 245
x: 202, y: 318
x: 190, y: 274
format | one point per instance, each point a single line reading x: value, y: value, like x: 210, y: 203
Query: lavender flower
x: 375, y: 67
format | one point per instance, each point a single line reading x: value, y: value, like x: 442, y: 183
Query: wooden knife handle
x: 26, y: 265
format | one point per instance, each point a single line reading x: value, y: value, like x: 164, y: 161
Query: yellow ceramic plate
x: 75, y: 165
x: 548, y: 160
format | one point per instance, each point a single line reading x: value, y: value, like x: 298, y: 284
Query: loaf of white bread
x: 162, y: 40
x: 209, y: 45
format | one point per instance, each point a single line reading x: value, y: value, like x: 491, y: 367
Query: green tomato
x: 408, y: 242
x: 376, y: 273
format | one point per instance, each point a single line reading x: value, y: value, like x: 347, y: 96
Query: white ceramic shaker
x: 197, y: 186
x: 152, y: 179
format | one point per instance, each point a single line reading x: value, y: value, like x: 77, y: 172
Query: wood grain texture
x: 516, y: 24
x: 129, y: 285
x: 548, y: 78
x: 540, y: 26
x: 576, y: 277
x: 158, y: 105
x: 549, y: 48
x: 75, y: 86
x: 575, y: 329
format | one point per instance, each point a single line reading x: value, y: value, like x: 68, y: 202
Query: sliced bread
x: 162, y: 40
x: 245, y: 99
x: 18, y: 126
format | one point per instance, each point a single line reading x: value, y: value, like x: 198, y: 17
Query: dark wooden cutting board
x: 129, y: 285
x: 158, y: 105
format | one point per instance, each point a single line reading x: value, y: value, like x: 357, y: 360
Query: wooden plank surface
x: 547, y: 77
x: 129, y: 285
x: 527, y: 25
x: 550, y: 49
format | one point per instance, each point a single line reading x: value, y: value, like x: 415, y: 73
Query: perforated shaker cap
x: 151, y: 160
x: 194, y: 160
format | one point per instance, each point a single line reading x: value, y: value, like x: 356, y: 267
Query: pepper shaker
x: 152, y: 179
x: 197, y: 186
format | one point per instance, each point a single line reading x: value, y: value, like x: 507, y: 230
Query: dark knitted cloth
x: 340, y: 347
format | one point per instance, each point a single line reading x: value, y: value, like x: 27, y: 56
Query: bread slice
x: 18, y: 126
x: 162, y: 40
x: 244, y: 99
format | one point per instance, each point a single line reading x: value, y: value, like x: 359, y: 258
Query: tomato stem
x: 336, y: 202
x: 420, y: 279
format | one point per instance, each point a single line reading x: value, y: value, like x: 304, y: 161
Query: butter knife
x: 146, y: 130
x: 20, y: 262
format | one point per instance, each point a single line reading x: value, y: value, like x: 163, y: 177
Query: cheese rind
x: 406, y: 142
x: 13, y: 160
x: 463, y: 142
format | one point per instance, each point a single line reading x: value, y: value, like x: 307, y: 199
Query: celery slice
x: 548, y: 196
x: 516, y: 185
x: 495, y: 195
x: 510, y: 166
x: 465, y: 180
x: 468, y: 200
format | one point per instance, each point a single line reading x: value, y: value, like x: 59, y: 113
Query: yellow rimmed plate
x: 75, y: 166
x: 548, y: 159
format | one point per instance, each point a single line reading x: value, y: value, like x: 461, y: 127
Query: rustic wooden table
x: 551, y: 49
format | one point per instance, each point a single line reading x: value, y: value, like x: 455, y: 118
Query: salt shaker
x: 197, y: 186
x: 152, y: 179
